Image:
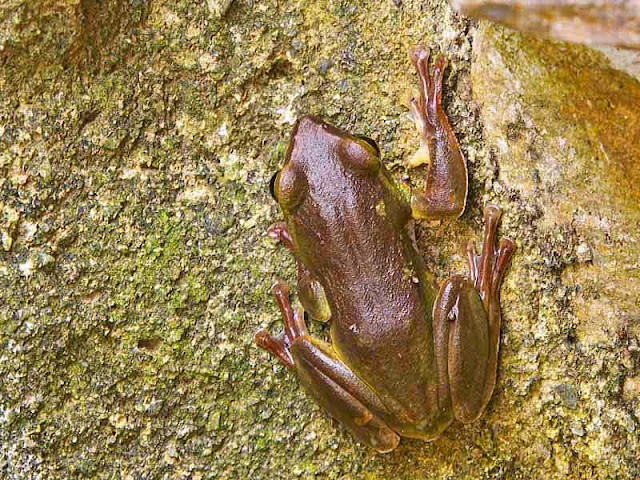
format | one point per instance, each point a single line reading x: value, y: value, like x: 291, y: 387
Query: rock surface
x: 137, y: 139
x: 594, y: 22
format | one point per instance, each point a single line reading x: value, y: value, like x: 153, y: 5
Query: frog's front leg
x: 310, y: 292
x: 445, y: 193
x: 466, y: 323
x: 333, y: 385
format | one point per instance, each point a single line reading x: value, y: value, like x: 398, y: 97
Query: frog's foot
x: 310, y: 291
x: 445, y: 193
x: 466, y: 323
x: 487, y: 269
x: 278, y: 231
x: 425, y: 108
x: 294, y: 327
x: 326, y: 378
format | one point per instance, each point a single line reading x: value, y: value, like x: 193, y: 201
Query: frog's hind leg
x: 466, y: 323
x: 334, y: 386
x: 310, y: 291
x: 445, y: 192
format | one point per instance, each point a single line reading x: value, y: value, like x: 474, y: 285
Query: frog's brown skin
x: 406, y: 357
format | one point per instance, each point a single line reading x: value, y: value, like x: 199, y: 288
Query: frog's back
x: 382, y: 325
x: 380, y: 295
x: 348, y: 223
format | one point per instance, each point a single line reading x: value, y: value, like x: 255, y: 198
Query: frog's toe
x: 276, y: 345
x: 278, y: 232
x: 487, y: 269
x: 420, y: 57
x: 506, y: 250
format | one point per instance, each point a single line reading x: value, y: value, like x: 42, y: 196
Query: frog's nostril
x: 272, y: 185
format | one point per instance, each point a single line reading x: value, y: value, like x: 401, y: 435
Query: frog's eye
x: 272, y: 185
x: 359, y: 154
x: 289, y: 187
x: 372, y: 143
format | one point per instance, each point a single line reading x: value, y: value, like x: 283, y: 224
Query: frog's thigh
x: 461, y: 332
x: 312, y: 295
x: 339, y: 391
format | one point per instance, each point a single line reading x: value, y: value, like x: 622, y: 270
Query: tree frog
x: 406, y: 356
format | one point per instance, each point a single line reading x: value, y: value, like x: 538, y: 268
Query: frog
x: 406, y: 356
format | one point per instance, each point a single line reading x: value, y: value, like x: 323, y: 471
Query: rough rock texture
x: 137, y: 139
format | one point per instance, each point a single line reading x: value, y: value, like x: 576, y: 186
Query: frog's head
x: 324, y: 162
